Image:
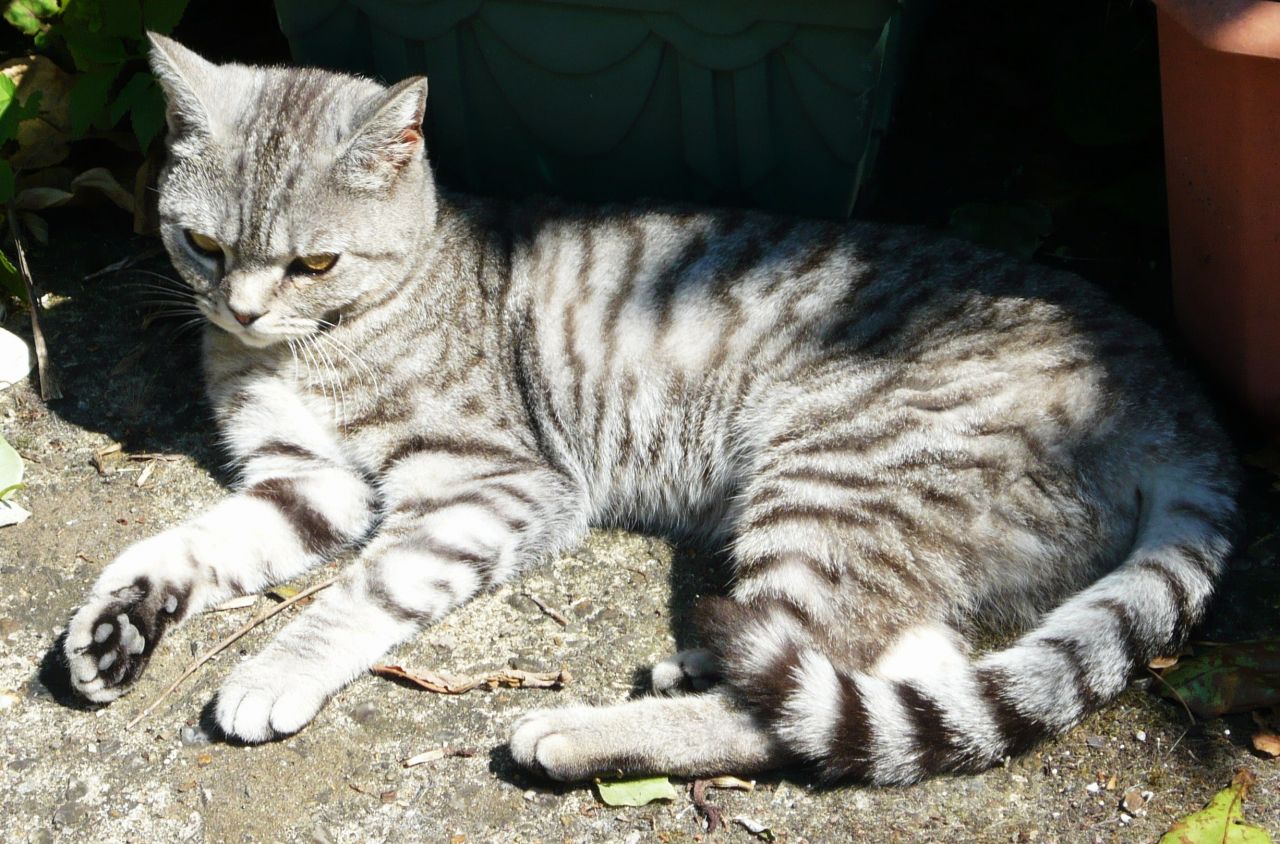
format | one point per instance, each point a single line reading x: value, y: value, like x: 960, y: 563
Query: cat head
x: 288, y: 196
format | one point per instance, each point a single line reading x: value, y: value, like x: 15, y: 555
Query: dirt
x: 73, y: 774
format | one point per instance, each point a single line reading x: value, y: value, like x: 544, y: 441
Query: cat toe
x: 257, y: 709
x: 111, y: 639
x: 694, y: 670
x: 556, y: 743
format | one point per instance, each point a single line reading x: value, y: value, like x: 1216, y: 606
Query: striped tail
x: 935, y: 710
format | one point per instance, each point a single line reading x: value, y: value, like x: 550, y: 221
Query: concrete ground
x: 76, y: 775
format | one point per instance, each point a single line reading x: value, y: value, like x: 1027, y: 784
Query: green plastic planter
x: 773, y: 103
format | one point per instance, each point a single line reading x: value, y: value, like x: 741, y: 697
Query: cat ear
x: 389, y: 139
x: 182, y: 75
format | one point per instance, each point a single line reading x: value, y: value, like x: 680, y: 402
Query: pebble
x: 364, y: 713
x: 1133, y: 801
x: 1093, y: 788
x: 193, y: 737
x: 1096, y: 742
x: 528, y: 663
x: 1140, y: 735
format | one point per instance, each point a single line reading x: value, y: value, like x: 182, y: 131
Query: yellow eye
x: 204, y: 243
x: 315, y: 264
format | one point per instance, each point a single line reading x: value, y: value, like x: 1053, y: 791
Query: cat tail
x: 927, y: 708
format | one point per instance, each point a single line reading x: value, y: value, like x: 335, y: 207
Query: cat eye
x: 314, y: 264
x: 204, y: 244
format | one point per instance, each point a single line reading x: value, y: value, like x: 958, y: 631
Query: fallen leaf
x: 732, y: 782
x: 1226, y: 678
x: 1221, y: 821
x: 637, y: 792
x: 1267, y: 743
x: 101, y: 180
x: 1162, y: 662
x: 12, y: 513
x: 10, y: 469
x: 456, y: 684
x: 284, y: 593
x: 754, y: 827
x: 235, y: 603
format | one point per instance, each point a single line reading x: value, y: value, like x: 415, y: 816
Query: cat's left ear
x: 389, y: 139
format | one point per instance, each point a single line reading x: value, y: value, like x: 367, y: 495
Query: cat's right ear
x: 182, y: 76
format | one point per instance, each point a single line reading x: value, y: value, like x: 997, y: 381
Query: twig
x: 551, y: 612
x: 125, y: 262
x: 227, y: 642
x: 707, y: 811
x: 49, y: 386
x: 437, y: 753
x: 1176, y: 696
x: 453, y: 684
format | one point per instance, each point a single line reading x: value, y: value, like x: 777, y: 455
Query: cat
x: 893, y: 435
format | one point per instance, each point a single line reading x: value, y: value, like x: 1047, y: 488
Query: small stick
x: 551, y: 612
x: 49, y: 386
x: 226, y: 643
x: 1176, y: 696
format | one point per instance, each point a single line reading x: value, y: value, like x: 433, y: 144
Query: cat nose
x: 244, y: 319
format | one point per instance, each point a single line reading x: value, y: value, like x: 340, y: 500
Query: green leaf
x: 13, y: 112
x: 129, y: 95
x: 147, y: 116
x: 635, y: 792
x: 88, y: 98
x: 28, y: 16
x: 1014, y: 227
x: 93, y: 50
x: 162, y: 15
x: 1228, y: 678
x: 10, y: 281
x: 1220, y: 822
x: 121, y: 18
x: 10, y: 468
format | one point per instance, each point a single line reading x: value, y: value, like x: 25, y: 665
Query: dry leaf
x: 1162, y: 662
x: 235, y: 603
x: 1267, y: 743
x: 100, y: 179
x: 732, y: 782
x: 455, y: 684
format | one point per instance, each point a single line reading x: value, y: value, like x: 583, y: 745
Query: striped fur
x: 893, y: 435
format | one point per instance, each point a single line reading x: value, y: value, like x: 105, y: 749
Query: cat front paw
x: 560, y: 744
x: 111, y: 638
x: 263, y: 700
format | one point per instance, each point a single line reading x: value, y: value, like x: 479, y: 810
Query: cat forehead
x: 283, y: 109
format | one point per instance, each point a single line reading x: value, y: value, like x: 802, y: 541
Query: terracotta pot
x: 1220, y: 77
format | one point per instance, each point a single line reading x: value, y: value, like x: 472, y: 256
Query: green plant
x: 104, y: 41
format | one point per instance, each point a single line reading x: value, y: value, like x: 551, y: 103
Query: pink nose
x: 244, y: 319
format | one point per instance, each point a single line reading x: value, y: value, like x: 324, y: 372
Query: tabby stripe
x: 664, y: 289
x: 1197, y: 556
x: 1178, y: 592
x: 386, y: 601
x: 937, y: 745
x: 281, y: 448
x: 1135, y: 649
x: 1018, y: 732
x: 421, y: 507
x: 317, y: 533
x: 780, y: 515
x: 852, y: 738
x: 421, y: 444
x: 1069, y: 649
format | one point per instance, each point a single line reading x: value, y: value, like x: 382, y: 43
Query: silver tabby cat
x: 894, y: 436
